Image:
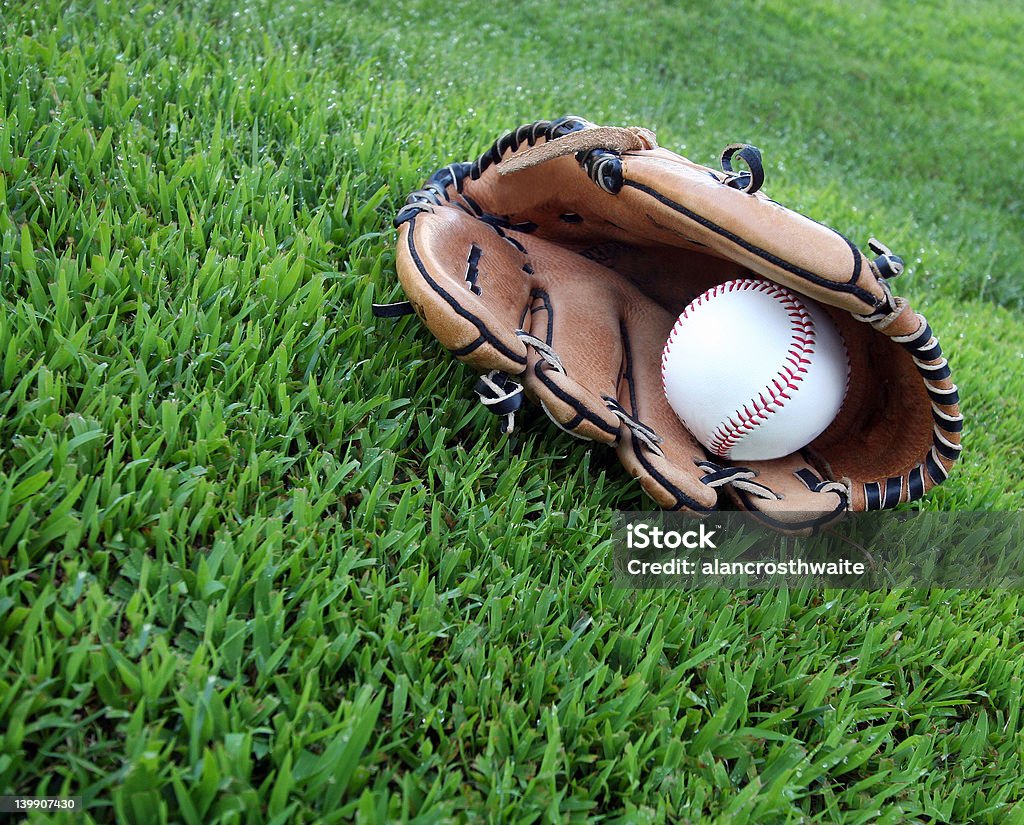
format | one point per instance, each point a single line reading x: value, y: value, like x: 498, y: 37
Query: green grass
x: 265, y: 559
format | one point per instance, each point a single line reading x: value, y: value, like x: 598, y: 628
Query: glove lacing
x: 717, y: 475
x: 501, y: 395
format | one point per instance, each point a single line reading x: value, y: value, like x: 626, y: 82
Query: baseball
x: 754, y: 370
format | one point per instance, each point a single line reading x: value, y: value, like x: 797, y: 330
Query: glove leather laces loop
x: 818, y: 485
x: 604, y: 168
x: 559, y: 424
x: 750, y: 181
x: 648, y: 437
x: 889, y: 265
x: 888, y: 309
x: 546, y: 352
x: 717, y: 475
x: 500, y: 395
x: 394, y: 310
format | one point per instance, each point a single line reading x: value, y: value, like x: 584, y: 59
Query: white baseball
x: 754, y: 370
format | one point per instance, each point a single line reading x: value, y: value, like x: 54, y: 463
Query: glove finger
x: 671, y: 473
x: 465, y: 280
x: 789, y: 494
x: 575, y: 351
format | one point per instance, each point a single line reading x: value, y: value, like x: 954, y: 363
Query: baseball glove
x: 557, y: 263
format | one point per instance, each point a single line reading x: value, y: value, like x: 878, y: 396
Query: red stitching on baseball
x: 748, y: 284
x: 790, y: 374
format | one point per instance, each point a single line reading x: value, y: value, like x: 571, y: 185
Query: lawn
x: 265, y: 559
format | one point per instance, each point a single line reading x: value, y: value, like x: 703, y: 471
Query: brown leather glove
x: 559, y: 260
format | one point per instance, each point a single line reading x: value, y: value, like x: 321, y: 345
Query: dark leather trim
x: 893, y: 488
x: 915, y: 483
x: 948, y: 426
x: 935, y: 470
